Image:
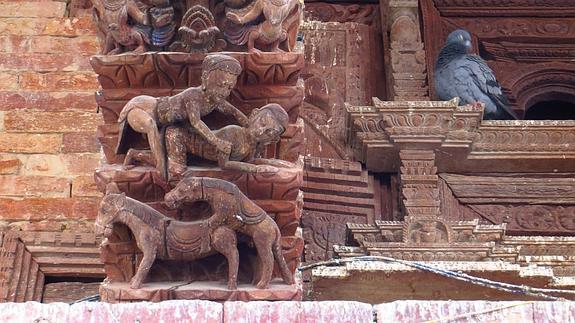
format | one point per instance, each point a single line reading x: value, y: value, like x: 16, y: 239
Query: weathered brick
x: 85, y: 186
x: 80, y: 142
x: 9, y: 165
x: 8, y: 81
x: 41, y: 62
x: 81, y: 164
x: 32, y: 9
x: 44, y: 165
x: 45, y: 186
x: 47, y: 101
x: 27, y: 121
x: 14, y: 44
x: 85, y: 209
x: 36, y: 209
x: 81, y: 26
x: 78, y: 45
x: 30, y: 143
x: 44, y: 225
x: 58, y: 81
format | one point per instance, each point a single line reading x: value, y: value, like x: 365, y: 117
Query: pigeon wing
x: 484, y: 79
x: 455, y: 79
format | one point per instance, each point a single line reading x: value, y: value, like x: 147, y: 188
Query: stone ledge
x: 344, y: 311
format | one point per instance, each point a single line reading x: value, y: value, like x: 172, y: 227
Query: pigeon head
x: 460, y: 39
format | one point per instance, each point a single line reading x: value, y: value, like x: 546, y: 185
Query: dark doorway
x: 552, y: 106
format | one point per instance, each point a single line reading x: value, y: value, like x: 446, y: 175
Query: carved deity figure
x: 150, y: 115
x: 427, y: 232
x: 263, y: 22
x: 160, y: 237
x: 266, y: 125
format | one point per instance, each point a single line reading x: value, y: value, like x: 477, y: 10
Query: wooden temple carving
x: 229, y: 121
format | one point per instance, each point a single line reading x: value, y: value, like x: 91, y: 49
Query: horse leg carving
x: 287, y: 276
x: 224, y: 241
x: 264, y: 242
x: 147, y: 246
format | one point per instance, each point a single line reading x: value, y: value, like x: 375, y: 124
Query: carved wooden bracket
x: 462, y: 142
x: 407, y: 77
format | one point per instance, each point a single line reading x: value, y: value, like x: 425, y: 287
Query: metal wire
x: 511, y: 288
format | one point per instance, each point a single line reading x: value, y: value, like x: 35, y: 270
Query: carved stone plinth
x: 214, y: 291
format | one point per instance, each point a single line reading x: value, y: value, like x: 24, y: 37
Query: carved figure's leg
x: 146, y: 244
x: 287, y: 276
x: 224, y: 241
x: 140, y: 41
x: 264, y: 240
x: 139, y: 155
x: 142, y: 122
x: 253, y: 34
x: 176, y: 150
x: 109, y: 45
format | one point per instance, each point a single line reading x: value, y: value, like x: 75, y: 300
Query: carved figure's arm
x: 244, y: 15
x: 273, y: 162
x: 203, y: 130
x: 225, y: 163
x: 137, y: 14
x: 227, y: 108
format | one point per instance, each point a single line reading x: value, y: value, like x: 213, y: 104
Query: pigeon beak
x: 468, y: 44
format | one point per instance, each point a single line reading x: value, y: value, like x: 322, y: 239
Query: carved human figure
x: 266, y: 125
x: 272, y: 30
x: 112, y: 19
x: 160, y: 237
x: 148, y: 115
x: 134, y: 24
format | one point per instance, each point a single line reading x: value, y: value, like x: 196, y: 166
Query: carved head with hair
x: 268, y: 123
x: 219, y: 76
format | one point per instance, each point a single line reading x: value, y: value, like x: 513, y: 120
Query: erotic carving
x: 265, y: 126
x: 150, y: 115
x: 160, y: 237
x: 263, y: 23
x: 133, y: 25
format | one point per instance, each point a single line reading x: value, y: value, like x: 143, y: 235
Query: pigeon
x: 467, y: 76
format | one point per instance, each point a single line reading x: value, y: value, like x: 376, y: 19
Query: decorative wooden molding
x: 407, y: 77
x: 26, y: 258
x: 461, y: 140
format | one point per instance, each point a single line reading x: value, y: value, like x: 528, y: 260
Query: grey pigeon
x: 467, y: 76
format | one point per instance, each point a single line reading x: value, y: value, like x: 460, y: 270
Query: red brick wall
x: 48, y: 119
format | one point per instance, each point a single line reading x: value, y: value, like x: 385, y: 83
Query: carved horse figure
x: 234, y: 211
x: 158, y: 236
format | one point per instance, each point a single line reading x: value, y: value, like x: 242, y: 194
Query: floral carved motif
x: 329, y: 12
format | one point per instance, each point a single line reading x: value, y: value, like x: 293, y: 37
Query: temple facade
x: 317, y: 120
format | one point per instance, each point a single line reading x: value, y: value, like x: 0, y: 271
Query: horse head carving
x: 109, y: 208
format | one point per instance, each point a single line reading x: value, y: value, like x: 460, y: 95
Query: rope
x: 511, y: 288
x: 92, y: 298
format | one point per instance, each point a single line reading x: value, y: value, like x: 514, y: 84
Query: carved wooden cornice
x: 500, y: 8
x: 461, y: 140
